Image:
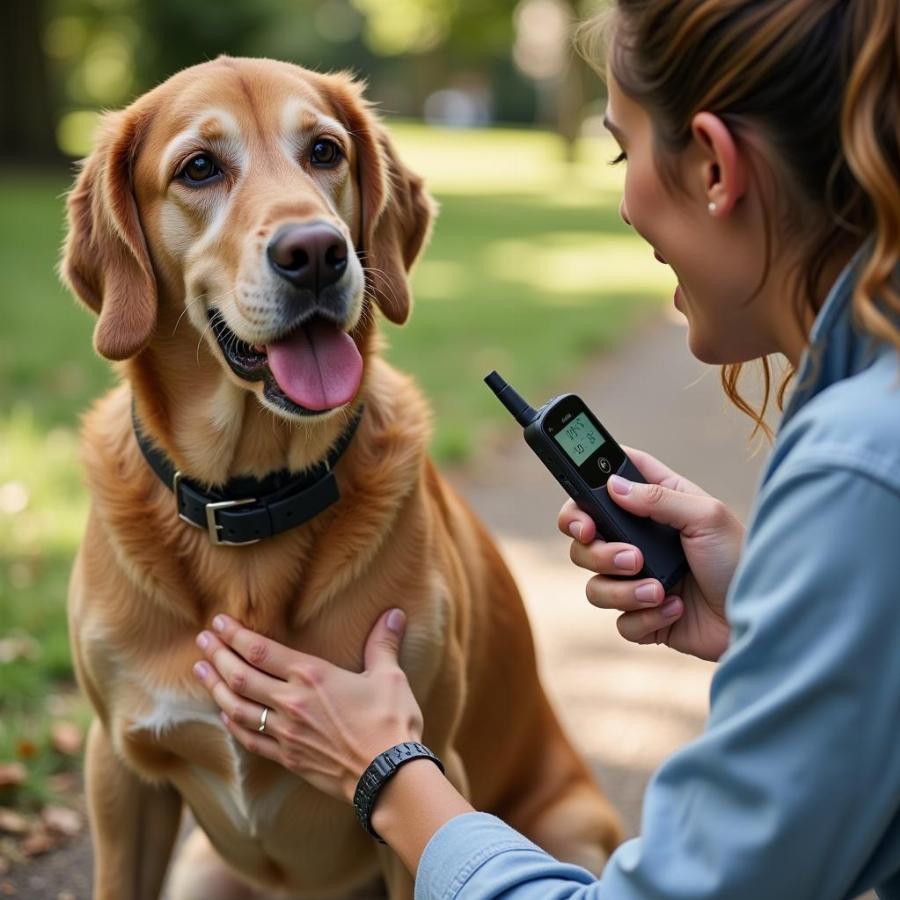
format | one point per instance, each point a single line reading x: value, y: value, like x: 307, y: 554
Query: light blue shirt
x: 793, y: 790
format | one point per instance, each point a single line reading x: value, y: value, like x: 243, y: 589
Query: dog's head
x: 263, y: 204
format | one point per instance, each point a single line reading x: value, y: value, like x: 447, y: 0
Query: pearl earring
x: 713, y: 209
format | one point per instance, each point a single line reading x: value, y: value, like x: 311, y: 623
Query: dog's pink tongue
x: 318, y: 366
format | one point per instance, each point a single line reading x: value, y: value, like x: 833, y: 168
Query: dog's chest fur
x: 261, y: 817
x: 137, y: 606
x: 211, y: 762
x: 168, y: 729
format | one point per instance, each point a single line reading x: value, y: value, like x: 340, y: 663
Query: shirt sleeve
x: 795, y: 781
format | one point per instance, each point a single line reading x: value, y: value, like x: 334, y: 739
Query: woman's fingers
x: 246, y: 714
x: 607, y: 559
x: 241, y: 678
x: 684, y: 511
x: 649, y: 466
x: 650, y: 626
x: 252, y: 740
x: 383, y: 645
x: 656, y: 472
x: 608, y: 593
x: 263, y: 654
x: 576, y: 523
x: 624, y: 593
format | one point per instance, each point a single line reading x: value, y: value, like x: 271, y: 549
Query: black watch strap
x: 381, y: 770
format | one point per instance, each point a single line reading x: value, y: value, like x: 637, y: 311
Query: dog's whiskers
x: 202, y: 298
x: 376, y: 274
x: 379, y: 277
x: 380, y: 281
x: 187, y: 306
x: 208, y: 327
x: 378, y: 292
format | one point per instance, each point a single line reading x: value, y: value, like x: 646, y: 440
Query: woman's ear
x: 105, y: 262
x: 396, y: 211
x: 723, y: 167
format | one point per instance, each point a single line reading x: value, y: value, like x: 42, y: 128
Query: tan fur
x: 147, y: 257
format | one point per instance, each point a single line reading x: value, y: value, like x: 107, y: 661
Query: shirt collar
x: 837, y: 348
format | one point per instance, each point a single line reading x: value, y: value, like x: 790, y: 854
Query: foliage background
x: 61, y: 60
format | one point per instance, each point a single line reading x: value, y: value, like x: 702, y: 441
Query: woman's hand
x: 692, y: 618
x: 325, y: 724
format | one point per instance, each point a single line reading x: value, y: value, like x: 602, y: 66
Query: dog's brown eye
x: 326, y: 153
x: 200, y: 168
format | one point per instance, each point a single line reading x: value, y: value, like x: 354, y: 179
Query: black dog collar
x: 247, y: 510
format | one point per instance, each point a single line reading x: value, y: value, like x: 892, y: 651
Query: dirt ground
x: 626, y: 707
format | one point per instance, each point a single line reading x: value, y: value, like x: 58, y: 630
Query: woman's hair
x: 819, y: 80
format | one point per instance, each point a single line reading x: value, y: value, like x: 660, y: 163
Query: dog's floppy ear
x: 105, y: 262
x: 394, y: 234
x: 396, y: 210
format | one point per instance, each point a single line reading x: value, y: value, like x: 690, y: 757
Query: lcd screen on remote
x: 579, y: 438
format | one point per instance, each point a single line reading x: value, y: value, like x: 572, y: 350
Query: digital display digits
x: 579, y: 438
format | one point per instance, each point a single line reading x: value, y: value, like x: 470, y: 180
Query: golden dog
x: 235, y: 229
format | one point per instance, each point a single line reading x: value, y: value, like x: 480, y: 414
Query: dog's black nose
x: 310, y: 256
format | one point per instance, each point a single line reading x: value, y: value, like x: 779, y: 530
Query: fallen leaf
x: 7, y: 889
x: 26, y: 749
x: 62, y: 820
x: 38, y: 842
x: 12, y: 774
x: 66, y: 738
x: 4, y: 865
x: 12, y: 822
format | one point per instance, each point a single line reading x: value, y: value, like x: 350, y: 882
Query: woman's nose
x: 623, y: 212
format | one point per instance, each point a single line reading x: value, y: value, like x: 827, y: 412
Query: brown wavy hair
x: 819, y: 80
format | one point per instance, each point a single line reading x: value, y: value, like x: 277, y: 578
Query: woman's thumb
x: 653, y: 501
x: 383, y: 645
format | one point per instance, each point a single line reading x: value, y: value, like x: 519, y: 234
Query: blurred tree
x: 405, y: 49
x: 545, y: 50
x: 28, y: 121
x: 573, y: 90
x: 176, y: 34
x: 102, y: 53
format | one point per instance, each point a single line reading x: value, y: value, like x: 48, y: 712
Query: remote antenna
x: 522, y: 412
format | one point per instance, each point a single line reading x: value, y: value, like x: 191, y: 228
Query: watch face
x: 583, y: 442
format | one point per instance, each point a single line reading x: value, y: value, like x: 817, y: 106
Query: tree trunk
x: 27, y: 122
x: 571, y: 106
x: 571, y: 96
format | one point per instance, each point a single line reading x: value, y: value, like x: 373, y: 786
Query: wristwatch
x: 379, y: 772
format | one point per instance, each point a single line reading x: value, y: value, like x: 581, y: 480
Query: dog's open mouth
x: 314, y: 368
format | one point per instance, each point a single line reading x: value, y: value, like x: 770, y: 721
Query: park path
x: 626, y: 707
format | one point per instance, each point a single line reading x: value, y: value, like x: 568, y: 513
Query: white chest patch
x: 250, y: 813
x: 171, y: 709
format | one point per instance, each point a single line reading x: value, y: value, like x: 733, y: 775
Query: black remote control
x: 581, y: 454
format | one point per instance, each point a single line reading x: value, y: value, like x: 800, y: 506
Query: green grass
x: 530, y: 271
